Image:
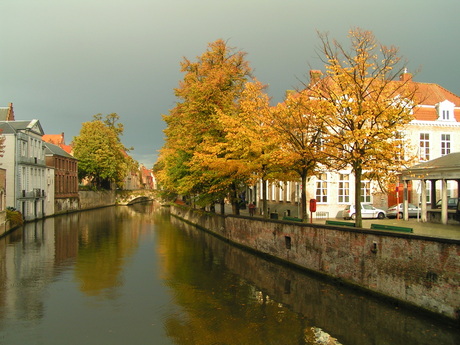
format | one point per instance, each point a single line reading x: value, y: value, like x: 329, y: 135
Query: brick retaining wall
x: 420, y: 271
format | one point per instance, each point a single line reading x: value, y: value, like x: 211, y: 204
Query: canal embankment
x: 419, y: 271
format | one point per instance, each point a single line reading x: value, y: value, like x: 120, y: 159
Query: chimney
x: 405, y: 76
x: 10, y: 116
x: 315, y: 76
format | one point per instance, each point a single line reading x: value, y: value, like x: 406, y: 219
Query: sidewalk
x: 451, y: 231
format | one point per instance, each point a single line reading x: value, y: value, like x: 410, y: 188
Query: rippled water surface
x: 132, y: 275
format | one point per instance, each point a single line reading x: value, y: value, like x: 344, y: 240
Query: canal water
x: 133, y: 275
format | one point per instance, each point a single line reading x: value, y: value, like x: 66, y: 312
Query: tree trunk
x: 222, y: 206
x: 303, y: 198
x: 264, y: 199
x: 358, y: 178
x: 234, y: 200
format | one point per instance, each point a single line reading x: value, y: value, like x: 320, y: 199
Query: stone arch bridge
x: 129, y: 197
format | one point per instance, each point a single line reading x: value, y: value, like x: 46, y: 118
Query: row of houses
x: 434, y: 132
x: 38, y: 174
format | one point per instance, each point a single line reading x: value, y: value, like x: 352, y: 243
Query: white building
x: 26, y: 172
x: 434, y: 132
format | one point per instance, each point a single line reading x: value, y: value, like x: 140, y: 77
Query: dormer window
x: 445, y: 115
x: 445, y: 111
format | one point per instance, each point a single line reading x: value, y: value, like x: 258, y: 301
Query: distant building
x: 147, y: 180
x: 7, y: 113
x: 24, y: 161
x: 131, y: 180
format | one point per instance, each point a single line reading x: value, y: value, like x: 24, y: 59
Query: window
x: 288, y: 191
x: 321, y: 188
x: 428, y: 193
x: 399, y: 140
x: 366, y: 191
x: 445, y: 115
x: 445, y: 144
x: 445, y: 111
x: 424, y: 146
x: 24, y: 148
x: 344, y: 188
x: 287, y: 240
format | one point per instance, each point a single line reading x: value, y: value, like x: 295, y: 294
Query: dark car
x: 451, y: 203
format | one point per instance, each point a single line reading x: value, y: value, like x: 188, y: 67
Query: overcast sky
x: 62, y: 61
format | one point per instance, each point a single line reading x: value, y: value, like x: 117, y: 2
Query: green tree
x: 369, y: 107
x: 211, y: 86
x: 102, y: 158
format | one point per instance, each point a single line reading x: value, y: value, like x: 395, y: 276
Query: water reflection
x: 278, y: 305
x: 133, y: 275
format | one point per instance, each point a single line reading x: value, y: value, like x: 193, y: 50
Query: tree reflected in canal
x: 132, y: 275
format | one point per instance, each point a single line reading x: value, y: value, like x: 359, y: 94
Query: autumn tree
x: 370, y: 107
x: 298, y: 125
x: 249, y: 139
x: 102, y: 158
x: 211, y: 86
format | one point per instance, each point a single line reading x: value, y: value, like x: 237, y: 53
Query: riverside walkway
x: 450, y: 231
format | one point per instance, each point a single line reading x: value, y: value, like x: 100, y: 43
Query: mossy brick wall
x: 92, y: 199
x: 420, y: 271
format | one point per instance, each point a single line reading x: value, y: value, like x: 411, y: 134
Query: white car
x: 367, y: 211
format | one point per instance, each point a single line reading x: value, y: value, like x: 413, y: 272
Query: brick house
x: 65, y: 178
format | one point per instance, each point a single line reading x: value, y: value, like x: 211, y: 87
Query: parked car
x: 393, y: 211
x: 367, y: 211
x: 457, y: 213
x: 451, y: 203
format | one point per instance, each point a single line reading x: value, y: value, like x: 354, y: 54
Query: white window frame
x: 424, y: 146
x: 366, y: 196
x: 343, y: 190
x: 321, y: 187
x: 288, y: 191
x: 445, y: 144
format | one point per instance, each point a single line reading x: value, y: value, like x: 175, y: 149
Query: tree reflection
x: 217, y: 307
x: 104, y: 245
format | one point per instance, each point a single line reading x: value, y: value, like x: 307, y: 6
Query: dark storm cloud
x: 64, y: 61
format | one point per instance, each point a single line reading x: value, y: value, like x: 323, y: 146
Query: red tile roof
x: 428, y: 95
x: 431, y: 94
x: 58, y: 140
